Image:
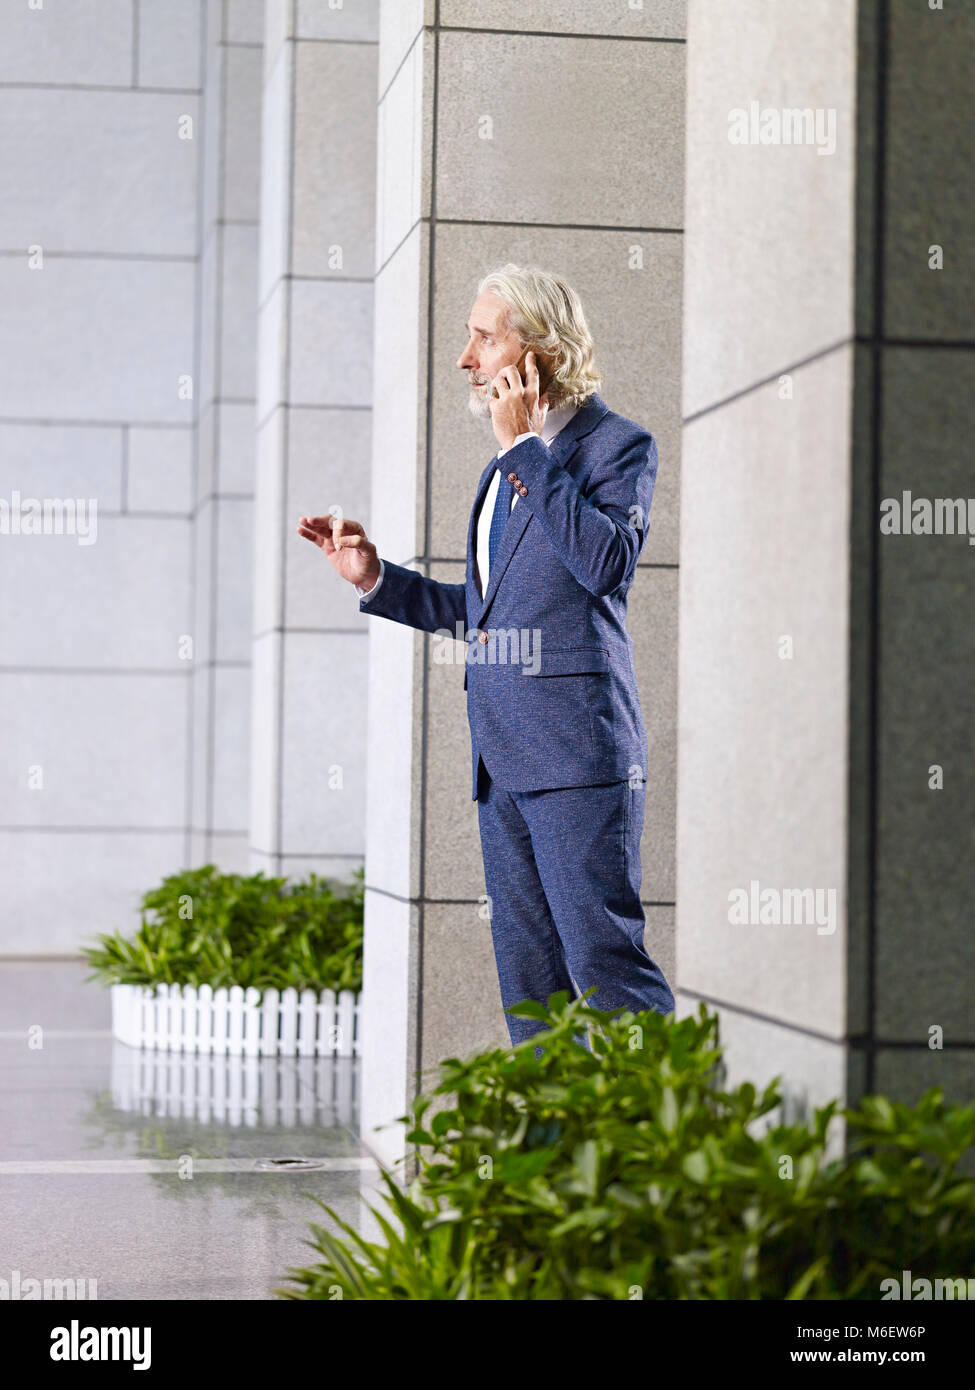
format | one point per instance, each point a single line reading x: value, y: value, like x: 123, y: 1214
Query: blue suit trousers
x: 562, y: 871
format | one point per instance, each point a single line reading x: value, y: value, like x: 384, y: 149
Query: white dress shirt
x: 555, y: 421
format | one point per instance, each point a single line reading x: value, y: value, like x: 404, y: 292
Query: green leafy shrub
x: 626, y: 1172
x: 205, y: 927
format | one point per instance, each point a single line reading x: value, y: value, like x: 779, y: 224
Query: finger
x: 345, y: 526
x: 329, y: 522
x: 315, y: 538
x: 349, y: 542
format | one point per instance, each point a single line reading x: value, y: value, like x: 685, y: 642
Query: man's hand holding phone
x: 345, y: 543
x: 518, y: 406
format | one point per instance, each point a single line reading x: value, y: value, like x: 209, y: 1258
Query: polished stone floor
x: 140, y: 1170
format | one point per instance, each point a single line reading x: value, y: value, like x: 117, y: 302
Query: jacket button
x: 512, y: 477
x: 482, y: 637
x: 523, y: 492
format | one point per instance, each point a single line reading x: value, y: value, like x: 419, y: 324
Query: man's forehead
x: 487, y: 311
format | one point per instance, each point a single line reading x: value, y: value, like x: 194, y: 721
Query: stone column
x: 229, y: 214
x: 540, y: 133
x: 825, y: 668
x: 313, y: 432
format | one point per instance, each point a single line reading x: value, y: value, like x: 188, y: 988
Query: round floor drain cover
x: 278, y: 1165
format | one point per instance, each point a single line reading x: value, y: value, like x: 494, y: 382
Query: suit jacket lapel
x: 473, y: 592
x: 562, y: 447
x: 583, y: 422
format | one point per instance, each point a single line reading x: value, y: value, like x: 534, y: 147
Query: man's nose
x: 466, y: 359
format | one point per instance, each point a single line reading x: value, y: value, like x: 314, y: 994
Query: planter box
x: 234, y: 1021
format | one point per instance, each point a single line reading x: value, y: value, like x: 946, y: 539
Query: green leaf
x: 529, y: 1009
x: 586, y: 1158
x: 804, y: 1283
x: 695, y: 1165
x: 669, y: 1112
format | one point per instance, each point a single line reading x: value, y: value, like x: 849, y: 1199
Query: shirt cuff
x: 529, y: 434
x: 366, y: 594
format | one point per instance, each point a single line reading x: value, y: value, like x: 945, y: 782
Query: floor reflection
x: 93, y: 1141
x: 253, y: 1092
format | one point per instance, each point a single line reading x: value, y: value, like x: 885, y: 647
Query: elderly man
x: 558, y: 745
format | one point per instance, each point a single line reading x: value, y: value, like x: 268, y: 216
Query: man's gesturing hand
x: 517, y: 409
x: 346, y: 545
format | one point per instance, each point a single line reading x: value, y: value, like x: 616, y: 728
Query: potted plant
x: 629, y: 1170
x: 233, y: 963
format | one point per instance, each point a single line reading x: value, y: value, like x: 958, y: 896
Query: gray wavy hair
x: 547, y: 316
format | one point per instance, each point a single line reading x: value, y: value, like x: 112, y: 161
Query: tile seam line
x: 451, y: 28
x: 428, y: 221
x: 48, y: 423
x: 126, y: 90
x: 879, y: 276
x: 93, y: 829
x: 230, y: 663
x: 556, y: 226
x: 147, y: 257
x: 218, y: 142
x: 935, y: 344
x: 760, y: 1017
x: 285, y: 384
x: 417, y: 1069
x: 319, y: 38
x: 104, y: 514
x: 302, y: 279
x: 304, y: 405
x: 169, y: 671
x: 768, y: 380
x: 287, y: 629
x: 556, y: 34
x: 420, y: 221
x: 205, y: 501
x: 44, y: 960
x: 297, y: 853
x: 859, y: 1041
x: 424, y: 29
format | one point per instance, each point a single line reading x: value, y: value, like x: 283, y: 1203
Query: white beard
x: 479, y: 402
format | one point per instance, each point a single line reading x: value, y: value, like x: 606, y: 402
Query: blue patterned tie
x: 502, y: 510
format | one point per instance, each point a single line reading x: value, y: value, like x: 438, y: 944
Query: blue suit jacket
x: 551, y: 691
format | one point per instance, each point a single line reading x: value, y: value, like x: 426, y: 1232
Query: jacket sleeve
x: 411, y: 598
x: 599, y: 535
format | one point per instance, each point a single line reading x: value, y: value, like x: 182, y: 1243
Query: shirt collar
x: 556, y: 420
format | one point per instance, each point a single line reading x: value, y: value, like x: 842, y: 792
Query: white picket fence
x: 235, y: 1021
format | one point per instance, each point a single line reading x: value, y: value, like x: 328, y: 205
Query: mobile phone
x: 543, y: 365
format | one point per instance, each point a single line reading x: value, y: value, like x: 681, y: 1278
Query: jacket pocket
x: 569, y: 661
